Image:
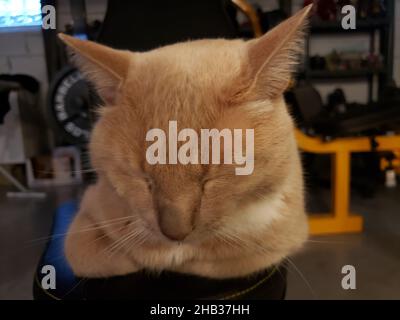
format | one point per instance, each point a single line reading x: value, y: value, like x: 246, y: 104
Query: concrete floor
x: 22, y: 223
x: 375, y: 254
x: 316, y: 273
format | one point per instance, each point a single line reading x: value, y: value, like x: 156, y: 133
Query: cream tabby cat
x: 199, y: 219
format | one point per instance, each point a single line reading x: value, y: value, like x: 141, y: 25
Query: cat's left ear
x: 105, y: 67
x: 273, y: 57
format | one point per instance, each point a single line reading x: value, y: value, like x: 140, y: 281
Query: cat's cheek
x: 207, y: 213
x: 213, y: 199
x: 143, y: 209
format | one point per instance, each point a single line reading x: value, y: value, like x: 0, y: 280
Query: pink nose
x: 174, y: 224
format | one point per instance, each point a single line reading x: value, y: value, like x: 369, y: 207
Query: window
x: 20, y: 13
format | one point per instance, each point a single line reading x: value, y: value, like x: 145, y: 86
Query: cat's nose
x: 175, y: 235
x: 174, y: 224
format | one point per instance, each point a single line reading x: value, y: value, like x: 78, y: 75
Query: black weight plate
x: 71, y: 103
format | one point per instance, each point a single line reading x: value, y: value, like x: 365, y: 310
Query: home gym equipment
x: 340, y: 220
x: 71, y: 99
x: 71, y: 102
x: 379, y: 28
x: 342, y: 119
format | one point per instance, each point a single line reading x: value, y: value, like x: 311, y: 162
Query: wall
x: 22, y: 49
x: 95, y: 9
x: 23, y: 52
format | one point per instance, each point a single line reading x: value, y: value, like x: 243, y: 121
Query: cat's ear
x: 105, y: 67
x: 274, y: 56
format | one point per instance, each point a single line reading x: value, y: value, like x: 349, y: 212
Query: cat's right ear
x: 274, y: 56
x: 105, y: 67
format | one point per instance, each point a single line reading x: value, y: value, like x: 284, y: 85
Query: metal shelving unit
x: 381, y: 27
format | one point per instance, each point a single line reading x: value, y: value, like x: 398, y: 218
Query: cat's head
x: 203, y: 84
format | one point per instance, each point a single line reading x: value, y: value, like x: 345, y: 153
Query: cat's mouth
x: 144, y: 233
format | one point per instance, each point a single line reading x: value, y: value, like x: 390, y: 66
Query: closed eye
x: 203, y: 184
x: 150, y: 183
x: 138, y: 176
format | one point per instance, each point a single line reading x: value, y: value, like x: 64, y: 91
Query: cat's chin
x: 281, y: 237
x: 190, y: 260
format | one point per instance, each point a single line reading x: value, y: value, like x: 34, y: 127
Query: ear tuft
x: 105, y: 67
x: 274, y: 57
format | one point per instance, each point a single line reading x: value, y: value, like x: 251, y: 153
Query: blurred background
x: 345, y: 100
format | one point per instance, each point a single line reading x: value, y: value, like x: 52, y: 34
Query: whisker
x: 95, y: 226
x: 81, y: 281
x: 120, y: 243
x: 323, y: 241
x: 252, y: 246
x: 106, y: 234
x: 227, y: 238
x: 62, y: 256
x: 66, y: 171
x: 137, y: 237
x: 302, y: 277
